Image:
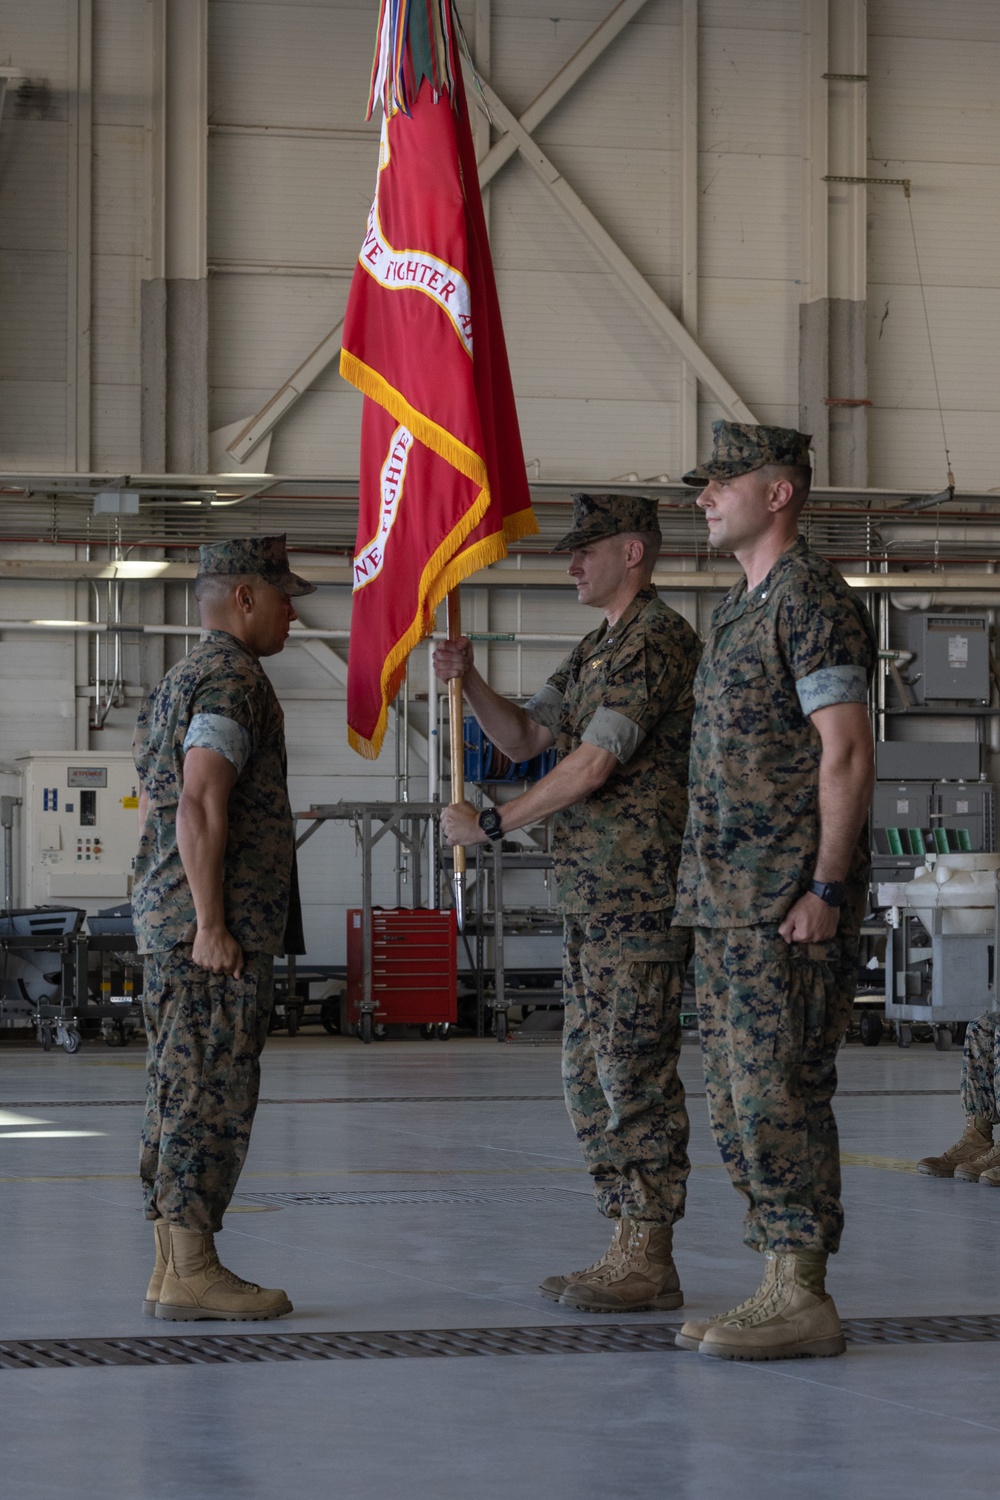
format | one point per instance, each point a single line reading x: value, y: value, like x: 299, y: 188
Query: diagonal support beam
x: 336, y: 667
x: 312, y: 367
x: 611, y: 252
x: 555, y: 91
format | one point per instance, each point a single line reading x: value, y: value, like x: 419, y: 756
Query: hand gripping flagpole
x: 456, y: 725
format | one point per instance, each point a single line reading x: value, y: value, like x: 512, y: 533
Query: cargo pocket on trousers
x: 650, y: 961
x: 801, y: 1034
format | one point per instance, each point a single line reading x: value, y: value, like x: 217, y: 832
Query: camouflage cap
x: 595, y: 516
x: 256, y: 556
x: 740, y: 447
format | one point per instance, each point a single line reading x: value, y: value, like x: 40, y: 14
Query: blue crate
x: 484, y: 762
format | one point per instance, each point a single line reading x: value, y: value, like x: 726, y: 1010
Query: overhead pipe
x: 113, y: 628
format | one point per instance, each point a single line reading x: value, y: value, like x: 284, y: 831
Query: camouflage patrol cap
x: 596, y: 516
x: 740, y: 447
x: 256, y: 556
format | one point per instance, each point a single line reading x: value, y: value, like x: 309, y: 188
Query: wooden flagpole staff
x: 456, y: 726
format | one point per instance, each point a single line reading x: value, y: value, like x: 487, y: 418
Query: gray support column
x: 814, y: 310
x: 187, y: 363
x: 689, y: 227
x: 848, y: 242
x: 814, y: 381
x: 185, y: 235
x: 848, y: 380
x: 153, y: 361
x: 483, y: 38
x: 153, y: 292
x: 80, y: 247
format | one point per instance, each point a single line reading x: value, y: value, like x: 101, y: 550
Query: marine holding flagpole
x: 442, y: 487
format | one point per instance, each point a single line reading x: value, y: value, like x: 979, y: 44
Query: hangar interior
x: 780, y: 211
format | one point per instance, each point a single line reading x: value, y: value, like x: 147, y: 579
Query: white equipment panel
x: 79, y: 828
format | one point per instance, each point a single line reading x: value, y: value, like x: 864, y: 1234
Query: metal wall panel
x: 934, y: 117
x: 33, y: 236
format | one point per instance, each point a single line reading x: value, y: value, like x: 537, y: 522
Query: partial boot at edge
x: 554, y: 1286
x: 642, y: 1275
x: 161, y: 1235
x: 196, y: 1286
x: 796, y: 1320
x: 973, y: 1169
x: 972, y: 1143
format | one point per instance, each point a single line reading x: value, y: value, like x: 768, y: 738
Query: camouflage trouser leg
x: 772, y: 1018
x: 622, y: 981
x: 981, y: 1067
x: 205, y: 1033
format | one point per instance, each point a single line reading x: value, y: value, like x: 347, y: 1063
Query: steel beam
x: 500, y: 577
x: 554, y: 92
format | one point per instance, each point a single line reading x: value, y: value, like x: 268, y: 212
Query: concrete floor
x: 75, y: 1253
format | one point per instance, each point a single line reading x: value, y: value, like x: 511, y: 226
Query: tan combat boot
x: 973, y: 1169
x: 641, y: 1274
x: 694, y: 1330
x: 196, y: 1286
x: 973, y: 1143
x: 161, y: 1232
x: 554, y: 1286
x: 797, y: 1317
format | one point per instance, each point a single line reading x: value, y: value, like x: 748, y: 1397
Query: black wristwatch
x: 833, y: 892
x: 489, y: 822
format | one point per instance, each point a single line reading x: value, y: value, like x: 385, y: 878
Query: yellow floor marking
x: 884, y: 1163
x: 848, y: 1159
x: 327, y: 1172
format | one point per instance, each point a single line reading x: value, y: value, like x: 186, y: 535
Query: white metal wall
x: 292, y: 170
x: 934, y: 116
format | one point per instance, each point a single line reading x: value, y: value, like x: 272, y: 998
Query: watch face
x: 489, y: 822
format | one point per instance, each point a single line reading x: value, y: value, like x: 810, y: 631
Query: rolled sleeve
x: 546, y: 708
x: 221, y: 734
x: 612, y: 731
x: 832, y: 685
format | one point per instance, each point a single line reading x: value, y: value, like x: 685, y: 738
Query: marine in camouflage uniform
x: 773, y: 1011
x: 206, y: 1030
x: 975, y: 1157
x: 626, y: 688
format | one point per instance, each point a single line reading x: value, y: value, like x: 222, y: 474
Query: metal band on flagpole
x: 456, y: 726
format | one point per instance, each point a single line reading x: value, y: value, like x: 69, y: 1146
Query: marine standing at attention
x: 214, y: 900
x: 774, y: 879
x: 618, y: 711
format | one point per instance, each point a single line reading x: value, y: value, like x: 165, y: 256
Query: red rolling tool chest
x: 414, y: 966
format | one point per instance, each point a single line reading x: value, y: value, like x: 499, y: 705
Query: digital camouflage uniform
x: 981, y: 1067
x: 205, y: 1031
x: 626, y: 688
x: 772, y: 1015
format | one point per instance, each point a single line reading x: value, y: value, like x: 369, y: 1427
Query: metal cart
x: 415, y: 827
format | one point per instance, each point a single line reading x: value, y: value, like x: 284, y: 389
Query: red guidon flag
x: 442, y: 478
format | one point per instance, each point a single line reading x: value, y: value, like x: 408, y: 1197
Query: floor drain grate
x: 414, y: 1195
x: 973, y: 1329
x: 282, y: 1348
